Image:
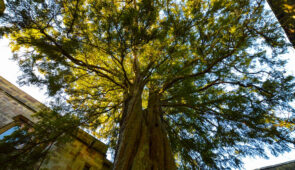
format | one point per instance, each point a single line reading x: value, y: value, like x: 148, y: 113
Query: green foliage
x: 28, y: 146
x: 222, y: 96
x: 2, y: 7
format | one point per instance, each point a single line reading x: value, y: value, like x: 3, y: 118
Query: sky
x: 10, y: 71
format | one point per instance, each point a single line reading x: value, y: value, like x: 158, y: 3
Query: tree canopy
x: 212, y: 70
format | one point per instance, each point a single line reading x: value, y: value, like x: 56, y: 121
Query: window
x: 19, y: 122
x: 8, y: 132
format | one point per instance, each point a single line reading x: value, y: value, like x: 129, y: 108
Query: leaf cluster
x: 29, y: 145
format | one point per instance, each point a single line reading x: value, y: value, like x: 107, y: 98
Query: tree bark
x: 143, y: 142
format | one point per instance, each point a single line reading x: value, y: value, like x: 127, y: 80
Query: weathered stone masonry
x: 84, y: 152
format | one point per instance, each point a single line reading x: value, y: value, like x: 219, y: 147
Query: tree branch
x: 94, y: 68
x: 169, y: 84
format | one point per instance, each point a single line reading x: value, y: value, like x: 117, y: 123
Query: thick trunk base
x: 143, y: 143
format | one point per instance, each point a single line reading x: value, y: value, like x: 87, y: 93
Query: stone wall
x: 290, y: 165
x: 14, y: 102
x: 75, y: 156
x: 84, y: 152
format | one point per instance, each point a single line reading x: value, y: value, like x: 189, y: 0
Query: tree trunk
x: 143, y: 142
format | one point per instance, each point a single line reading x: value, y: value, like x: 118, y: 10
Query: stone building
x: 83, y: 153
x: 290, y: 165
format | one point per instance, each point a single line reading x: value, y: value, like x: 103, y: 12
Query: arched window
x: 19, y: 121
x: 8, y: 132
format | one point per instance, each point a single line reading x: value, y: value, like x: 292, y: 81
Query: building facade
x: 83, y: 153
x: 290, y: 165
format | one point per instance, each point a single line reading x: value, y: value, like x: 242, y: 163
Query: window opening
x: 8, y: 132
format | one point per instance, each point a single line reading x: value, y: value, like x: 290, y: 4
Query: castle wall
x: 84, y: 152
x: 11, y: 106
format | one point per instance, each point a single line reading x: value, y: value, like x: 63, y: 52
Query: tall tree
x: 169, y: 83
